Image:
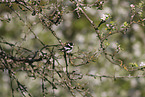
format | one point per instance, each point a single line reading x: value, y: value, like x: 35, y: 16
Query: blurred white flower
x: 142, y: 64
x: 104, y: 17
x: 132, y: 6
x: 107, y: 25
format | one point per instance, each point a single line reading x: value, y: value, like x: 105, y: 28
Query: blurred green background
x: 80, y: 31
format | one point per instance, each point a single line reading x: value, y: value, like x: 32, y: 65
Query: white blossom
x: 104, y: 17
x: 142, y: 64
x: 132, y: 6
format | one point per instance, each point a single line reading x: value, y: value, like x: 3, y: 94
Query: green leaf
x: 125, y: 24
x: 133, y: 64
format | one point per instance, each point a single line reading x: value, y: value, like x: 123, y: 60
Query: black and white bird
x: 68, y: 46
